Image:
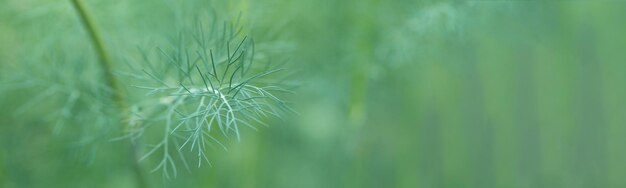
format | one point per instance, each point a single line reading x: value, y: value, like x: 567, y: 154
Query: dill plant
x: 173, y: 103
x: 202, y: 91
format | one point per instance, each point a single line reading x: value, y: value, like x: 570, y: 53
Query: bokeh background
x: 484, y: 93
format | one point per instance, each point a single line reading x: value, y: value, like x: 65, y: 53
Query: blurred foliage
x: 392, y: 93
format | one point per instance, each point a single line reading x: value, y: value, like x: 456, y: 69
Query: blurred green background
x: 393, y: 93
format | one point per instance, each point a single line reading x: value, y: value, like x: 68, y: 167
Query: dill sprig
x: 204, y: 88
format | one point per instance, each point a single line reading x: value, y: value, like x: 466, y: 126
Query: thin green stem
x: 117, y: 94
x: 106, y: 64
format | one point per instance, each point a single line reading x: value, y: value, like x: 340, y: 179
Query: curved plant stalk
x: 117, y: 95
x: 106, y: 63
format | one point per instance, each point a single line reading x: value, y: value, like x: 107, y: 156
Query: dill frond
x: 204, y: 89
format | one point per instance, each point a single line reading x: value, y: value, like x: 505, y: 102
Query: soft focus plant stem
x: 105, y: 59
x: 117, y: 94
